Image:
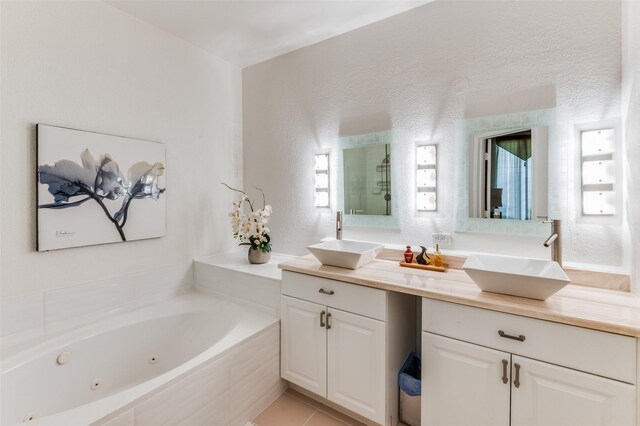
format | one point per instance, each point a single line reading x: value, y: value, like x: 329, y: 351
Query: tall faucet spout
x: 338, y: 225
x: 555, y: 240
x: 550, y: 240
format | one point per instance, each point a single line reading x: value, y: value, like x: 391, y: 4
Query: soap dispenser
x: 437, y: 257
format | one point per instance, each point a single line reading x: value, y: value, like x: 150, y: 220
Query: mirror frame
x: 370, y: 221
x: 470, y: 129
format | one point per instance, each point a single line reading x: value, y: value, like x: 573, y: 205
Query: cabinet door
x: 463, y: 384
x: 548, y: 395
x: 356, y: 364
x: 304, y: 344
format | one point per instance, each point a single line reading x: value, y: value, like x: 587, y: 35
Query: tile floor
x: 294, y: 409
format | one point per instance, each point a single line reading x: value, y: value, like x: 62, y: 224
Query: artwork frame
x: 96, y: 188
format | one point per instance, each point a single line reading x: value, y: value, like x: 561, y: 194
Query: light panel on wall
x: 599, y: 202
x: 599, y: 174
x: 321, y: 171
x: 426, y: 178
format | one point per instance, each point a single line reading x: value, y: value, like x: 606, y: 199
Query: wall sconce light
x: 426, y: 178
x: 321, y: 170
x: 599, y: 173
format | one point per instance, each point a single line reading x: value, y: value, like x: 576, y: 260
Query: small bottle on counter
x: 408, y: 255
x: 437, y: 257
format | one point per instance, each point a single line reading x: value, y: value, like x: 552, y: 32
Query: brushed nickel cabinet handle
x: 519, y: 338
x: 505, y: 363
x: 323, y: 291
x: 328, y: 317
x: 322, y: 324
x: 516, y: 382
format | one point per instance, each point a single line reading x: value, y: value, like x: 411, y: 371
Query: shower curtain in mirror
x: 513, y: 175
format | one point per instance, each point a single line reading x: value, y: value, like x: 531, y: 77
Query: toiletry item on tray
x: 423, y: 261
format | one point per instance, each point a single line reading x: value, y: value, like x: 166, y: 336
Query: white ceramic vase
x: 257, y: 256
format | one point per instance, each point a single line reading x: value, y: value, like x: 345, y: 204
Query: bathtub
x: 117, y: 365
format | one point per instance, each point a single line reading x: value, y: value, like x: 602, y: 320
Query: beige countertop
x: 595, y: 308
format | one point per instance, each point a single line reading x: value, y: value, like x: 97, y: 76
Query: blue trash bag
x: 409, y: 376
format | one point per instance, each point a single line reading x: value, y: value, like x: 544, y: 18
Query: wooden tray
x: 427, y: 267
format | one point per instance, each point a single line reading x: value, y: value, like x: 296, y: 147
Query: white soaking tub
x: 80, y: 377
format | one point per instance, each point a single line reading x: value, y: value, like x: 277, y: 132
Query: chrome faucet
x: 338, y: 225
x: 555, y: 241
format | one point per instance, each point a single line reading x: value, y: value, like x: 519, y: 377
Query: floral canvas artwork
x: 95, y: 188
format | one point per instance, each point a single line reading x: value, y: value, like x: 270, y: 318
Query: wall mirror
x: 511, y: 176
x: 366, y: 176
x: 367, y: 180
x: 508, y: 176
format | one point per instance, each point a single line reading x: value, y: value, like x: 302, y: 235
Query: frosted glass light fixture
x: 598, y: 148
x: 426, y: 178
x: 321, y: 170
x: 598, y: 172
x: 599, y: 203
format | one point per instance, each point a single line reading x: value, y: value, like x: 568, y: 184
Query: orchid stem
x: 264, y: 200
x: 98, y: 200
x: 115, y: 222
x: 242, y: 192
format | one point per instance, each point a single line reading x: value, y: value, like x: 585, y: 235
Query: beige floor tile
x: 338, y: 415
x: 303, y: 398
x: 285, y: 411
x: 323, y: 419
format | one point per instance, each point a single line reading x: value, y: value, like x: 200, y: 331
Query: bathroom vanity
x: 512, y: 370
x: 487, y: 359
x: 345, y: 343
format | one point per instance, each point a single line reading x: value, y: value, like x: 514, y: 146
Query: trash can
x: 410, y: 390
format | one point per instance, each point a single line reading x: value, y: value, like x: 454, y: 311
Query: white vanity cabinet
x: 345, y: 342
x: 462, y: 384
x: 482, y: 367
x: 304, y: 344
x: 551, y: 395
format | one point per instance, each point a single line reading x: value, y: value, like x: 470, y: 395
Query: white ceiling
x: 246, y: 32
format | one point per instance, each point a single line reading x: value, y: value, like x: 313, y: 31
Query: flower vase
x: 257, y: 256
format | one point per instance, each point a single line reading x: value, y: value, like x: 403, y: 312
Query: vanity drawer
x: 606, y: 354
x: 354, y: 298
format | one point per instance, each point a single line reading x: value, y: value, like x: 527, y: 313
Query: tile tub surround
x: 26, y: 318
x: 599, y: 309
x: 231, y: 276
x: 229, y: 391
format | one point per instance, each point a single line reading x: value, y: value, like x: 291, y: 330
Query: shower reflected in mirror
x: 367, y: 180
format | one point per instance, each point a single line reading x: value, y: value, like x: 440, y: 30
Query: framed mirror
x: 510, y: 172
x: 366, y: 176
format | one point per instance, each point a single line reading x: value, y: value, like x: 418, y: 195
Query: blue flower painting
x: 79, y: 192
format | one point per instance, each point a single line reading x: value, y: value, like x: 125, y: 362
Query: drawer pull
x: 505, y: 363
x: 323, y: 291
x: 322, y: 324
x: 328, y: 317
x: 519, y: 338
x: 516, y: 382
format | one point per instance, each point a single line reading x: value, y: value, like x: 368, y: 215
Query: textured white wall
x: 90, y: 66
x: 631, y: 124
x: 397, y: 73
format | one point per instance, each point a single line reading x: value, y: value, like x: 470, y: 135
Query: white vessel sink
x: 345, y: 253
x: 516, y: 276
